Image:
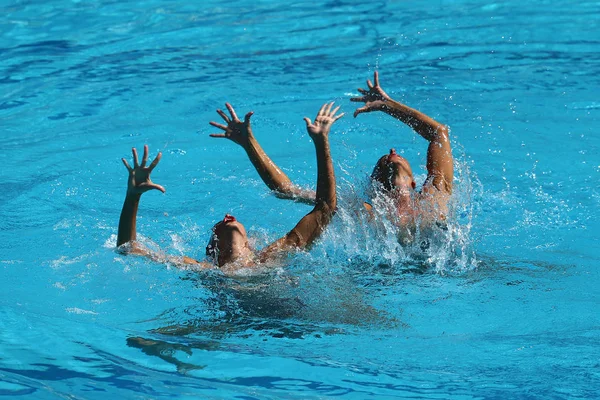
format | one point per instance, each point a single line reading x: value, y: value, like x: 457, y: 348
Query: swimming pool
x: 506, y: 309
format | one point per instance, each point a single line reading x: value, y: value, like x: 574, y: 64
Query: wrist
x: 249, y: 141
x: 132, y: 197
x: 321, y: 141
x: 386, y: 105
x: 322, y: 134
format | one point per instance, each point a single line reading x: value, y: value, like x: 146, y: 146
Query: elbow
x: 332, y: 204
x: 282, y: 194
x: 439, y: 134
x: 443, y: 130
x: 333, y: 207
x: 328, y: 207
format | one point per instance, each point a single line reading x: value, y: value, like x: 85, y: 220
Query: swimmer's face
x: 228, y: 240
x: 393, y: 171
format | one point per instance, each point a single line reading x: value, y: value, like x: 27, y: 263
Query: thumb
x: 361, y: 110
x: 159, y: 187
x: 307, y: 120
x: 247, y: 117
x: 151, y: 186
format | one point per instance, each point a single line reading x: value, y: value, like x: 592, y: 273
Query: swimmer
x: 228, y: 248
x: 403, y: 205
x: 393, y: 173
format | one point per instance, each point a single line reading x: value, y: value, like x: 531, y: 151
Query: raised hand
x: 139, y: 176
x: 236, y: 130
x: 325, y: 118
x: 374, y: 99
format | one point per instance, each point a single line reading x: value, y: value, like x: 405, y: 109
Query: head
x: 393, y: 172
x: 228, y: 242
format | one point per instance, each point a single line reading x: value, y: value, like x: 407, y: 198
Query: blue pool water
x: 506, y: 307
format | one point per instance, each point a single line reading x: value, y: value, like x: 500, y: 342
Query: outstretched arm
x: 241, y: 133
x: 439, y: 153
x: 138, y: 183
x: 312, y: 225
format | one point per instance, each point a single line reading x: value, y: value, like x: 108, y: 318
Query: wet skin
x: 228, y: 247
x: 405, y: 206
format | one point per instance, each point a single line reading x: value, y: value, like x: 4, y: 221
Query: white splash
x: 75, y: 310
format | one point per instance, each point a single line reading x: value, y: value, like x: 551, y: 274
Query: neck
x: 403, y: 196
x: 240, y: 254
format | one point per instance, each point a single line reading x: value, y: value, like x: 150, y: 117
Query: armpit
x: 437, y: 183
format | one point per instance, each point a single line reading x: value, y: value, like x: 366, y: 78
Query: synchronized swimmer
x: 228, y: 248
x: 402, y: 204
x: 408, y: 209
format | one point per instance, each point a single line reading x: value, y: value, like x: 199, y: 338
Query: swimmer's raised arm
x: 138, y: 183
x: 314, y: 223
x: 240, y: 132
x: 440, y: 171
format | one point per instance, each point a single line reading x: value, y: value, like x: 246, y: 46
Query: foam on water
x: 447, y: 249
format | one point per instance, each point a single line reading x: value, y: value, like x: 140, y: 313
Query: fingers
x: 339, y: 116
x: 216, y: 125
x: 369, y: 84
x: 217, y: 135
x: 223, y: 115
x: 135, y: 158
x: 126, y: 164
x: 154, y: 162
x: 145, y: 156
x: 247, y: 117
x: 322, y: 109
x: 325, y: 109
x: 136, y: 163
x: 358, y: 99
x: 232, y: 112
x: 376, y: 78
x: 362, y: 99
x: 328, y: 109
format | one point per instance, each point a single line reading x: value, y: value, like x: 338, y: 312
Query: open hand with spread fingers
x: 374, y: 99
x: 235, y: 130
x: 139, y: 176
x: 325, y: 118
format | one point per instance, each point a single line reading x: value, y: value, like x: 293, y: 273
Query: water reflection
x: 278, y: 305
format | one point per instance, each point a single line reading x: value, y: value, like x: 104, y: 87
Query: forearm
x: 127, y: 221
x: 326, y: 191
x: 314, y: 223
x: 270, y: 173
x: 182, y: 262
x: 424, y: 125
x: 273, y: 176
x: 306, y: 231
x: 310, y: 227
